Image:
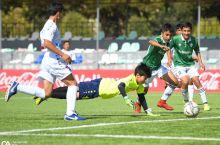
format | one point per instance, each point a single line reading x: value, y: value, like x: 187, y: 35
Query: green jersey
x: 155, y: 54
x: 183, y: 50
x: 108, y: 88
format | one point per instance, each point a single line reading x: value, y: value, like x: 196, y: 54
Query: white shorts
x: 191, y: 71
x: 161, y: 71
x: 173, y: 69
x: 54, y: 69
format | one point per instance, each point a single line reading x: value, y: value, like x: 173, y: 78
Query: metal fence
x: 209, y: 28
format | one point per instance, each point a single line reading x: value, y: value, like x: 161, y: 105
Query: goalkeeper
x: 108, y: 88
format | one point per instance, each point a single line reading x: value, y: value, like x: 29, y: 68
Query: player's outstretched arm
x: 127, y: 100
x: 143, y: 103
x: 155, y: 43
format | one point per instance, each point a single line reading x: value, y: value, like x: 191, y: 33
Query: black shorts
x: 89, y: 89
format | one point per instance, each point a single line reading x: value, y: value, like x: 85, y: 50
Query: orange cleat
x: 137, y: 107
x: 163, y: 104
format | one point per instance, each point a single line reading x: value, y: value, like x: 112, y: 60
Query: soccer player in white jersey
x: 54, y: 66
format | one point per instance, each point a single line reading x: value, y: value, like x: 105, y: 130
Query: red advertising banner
x: 210, y: 78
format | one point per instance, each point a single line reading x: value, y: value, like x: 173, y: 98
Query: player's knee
x: 48, y: 94
x: 179, y: 84
x: 184, y: 83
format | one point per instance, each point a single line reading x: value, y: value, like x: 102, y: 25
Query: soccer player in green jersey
x: 108, y: 88
x: 155, y: 53
x: 184, y: 45
x: 178, y: 31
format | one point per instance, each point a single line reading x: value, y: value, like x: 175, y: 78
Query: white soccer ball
x: 191, y: 109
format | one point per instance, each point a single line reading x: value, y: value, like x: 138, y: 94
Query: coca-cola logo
x: 26, y: 78
x: 210, y: 81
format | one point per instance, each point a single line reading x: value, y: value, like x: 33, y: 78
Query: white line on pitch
x: 107, y: 124
x: 122, y: 136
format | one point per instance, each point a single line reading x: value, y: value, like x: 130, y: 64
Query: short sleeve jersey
x: 183, y: 50
x: 155, y: 54
x: 50, y: 32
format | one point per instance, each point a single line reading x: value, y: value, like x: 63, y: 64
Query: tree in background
x: 15, y: 23
x: 116, y: 16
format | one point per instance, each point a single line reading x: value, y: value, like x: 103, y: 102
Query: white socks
x: 203, y: 95
x: 31, y: 90
x: 185, y: 95
x: 191, y: 92
x: 71, y: 99
x: 167, y: 92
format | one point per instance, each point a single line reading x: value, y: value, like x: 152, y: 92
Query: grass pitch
x: 110, y: 122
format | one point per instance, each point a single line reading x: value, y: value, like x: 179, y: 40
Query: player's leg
x: 71, y: 96
x: 172, y: 84
x: 191, y: 90
x: 184, y: 87
x: 182, y: 73
x: 59, y: 93
x: 202, y: 93
x: 170, y: 78
x: 194, y: 75
x: 144, y: 105
x: 88, y: 89
x: 146, y: 87
x: 15, y: 87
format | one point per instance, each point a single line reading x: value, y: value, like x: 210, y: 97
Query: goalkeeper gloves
x: 149, y: 113
x: 129, y: 102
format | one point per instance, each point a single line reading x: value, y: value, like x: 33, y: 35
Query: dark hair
x: 66, y: 41
x: 167, y: 27
x: 178, y: 26
x: 143, y: 70
x: 54, y: 8
x: 186, y: 25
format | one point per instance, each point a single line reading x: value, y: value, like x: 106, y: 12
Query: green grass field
x: 110, y: 122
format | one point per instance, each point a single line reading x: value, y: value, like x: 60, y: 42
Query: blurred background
x: 104, y: 34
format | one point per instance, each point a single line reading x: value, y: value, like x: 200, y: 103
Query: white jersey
x: 50, y: 32
x: 53, y: 66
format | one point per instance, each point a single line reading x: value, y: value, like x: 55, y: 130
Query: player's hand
x: 129, y: 102
x: 202, y: 66
x: 66, y: 58
x: 165, y: 48
x: 195, y: 58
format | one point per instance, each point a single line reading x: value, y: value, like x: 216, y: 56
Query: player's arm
x: 198, y: 54
x: 169, y: 58
x: 142, y: 101
x: 202, y: 66
x: 121, y: 88
x: 155, y: 43
x: 49, y: 45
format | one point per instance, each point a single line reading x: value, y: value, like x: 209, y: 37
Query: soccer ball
x: 191, y: 109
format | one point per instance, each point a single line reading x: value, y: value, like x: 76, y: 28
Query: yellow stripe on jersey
x: 108, y: 88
